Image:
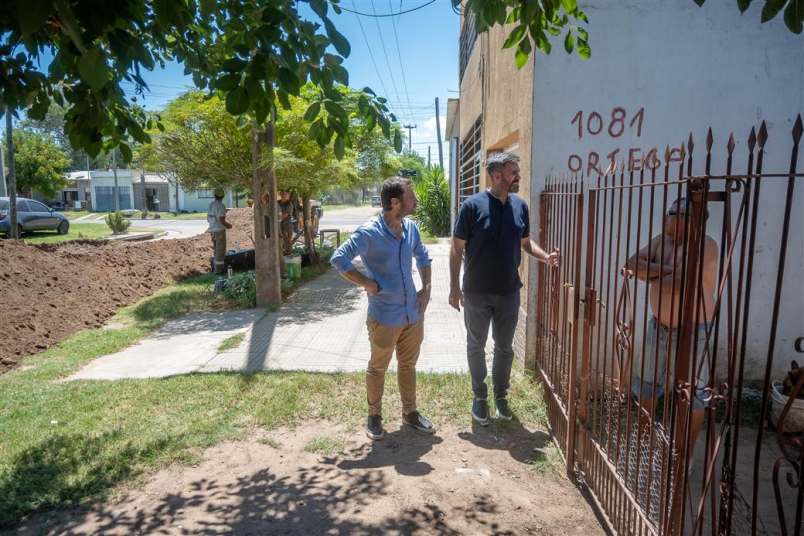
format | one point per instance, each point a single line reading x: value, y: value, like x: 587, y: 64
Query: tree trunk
x: 266, y: 226
x: 309, y: 240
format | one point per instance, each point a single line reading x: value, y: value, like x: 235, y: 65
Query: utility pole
x: 114, y: 170
x: 2, y: 175
x: 13, y: 231
x: 410, y: 135
x: 89, y: 186
x: 428, y: 156
x: 438, y: 132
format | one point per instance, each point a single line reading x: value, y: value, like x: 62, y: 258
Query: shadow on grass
x: 65, y: 469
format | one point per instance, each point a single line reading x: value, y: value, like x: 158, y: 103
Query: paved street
x: 347, y: 219
x: 321, y: 328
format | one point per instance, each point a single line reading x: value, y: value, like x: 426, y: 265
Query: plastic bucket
x: 293, y: 265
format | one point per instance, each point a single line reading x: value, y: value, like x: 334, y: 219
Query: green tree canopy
x: 40, y: 163
x: 254, y: 54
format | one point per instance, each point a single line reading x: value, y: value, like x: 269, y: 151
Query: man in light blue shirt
x: 387, y: 246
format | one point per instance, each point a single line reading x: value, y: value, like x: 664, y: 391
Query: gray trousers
x: 502, y: 312
x: 219, y: 247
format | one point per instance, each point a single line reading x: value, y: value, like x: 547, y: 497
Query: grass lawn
x: 66, y: 443
x: 77, y: 231
x: 75, y: 214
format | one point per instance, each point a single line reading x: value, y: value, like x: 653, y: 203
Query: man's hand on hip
x: 372, y: 288
x: 456, y: 297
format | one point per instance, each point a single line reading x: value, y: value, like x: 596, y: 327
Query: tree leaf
x: 340, y: 43
x: 340, y: 147
x: 228, y: 82
x: 569, y: 5
x: 743, y: 5
x: 336, y: 110
x: 320, y: 7
x: 584, y: 51
x: 340, y: 74
x: 234, y: 65
x: 237, y: 101
x: 515, y: 36
x: 312, y: 111
x: 771, y: 9
x: 92, y: 67
x: 569, y: 42
x: 521, y: 58
x: 32, y: 14
x: 794, y: 15
x: 126, y: 150
x: 699, y: 2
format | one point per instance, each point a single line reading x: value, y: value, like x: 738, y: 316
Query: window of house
x: 469, y: 163
x: 467, y: 40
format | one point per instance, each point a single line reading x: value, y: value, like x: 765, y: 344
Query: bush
x: 117, y: 223
x: 144, y: 214
x: 241, y: 289
x: 432, y: 212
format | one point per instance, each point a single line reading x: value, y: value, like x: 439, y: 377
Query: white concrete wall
x: 189, y: 201
x: 688, y: 68
x: 106, y: 178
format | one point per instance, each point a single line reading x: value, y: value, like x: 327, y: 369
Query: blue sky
x: 427, y: 47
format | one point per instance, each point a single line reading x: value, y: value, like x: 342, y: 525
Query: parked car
x: 58, y: 205
x: 32, y: 216
x: 376, y: 201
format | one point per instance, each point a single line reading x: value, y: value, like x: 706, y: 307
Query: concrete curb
x: 135, y: 237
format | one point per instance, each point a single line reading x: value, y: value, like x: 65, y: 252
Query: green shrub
x: 241, y: 289
x: 432, y: 212
x: 117, y: 223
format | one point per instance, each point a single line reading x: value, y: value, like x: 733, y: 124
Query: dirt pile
x: 49, y: 292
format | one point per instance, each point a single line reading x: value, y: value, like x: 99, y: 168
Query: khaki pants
x: 219, y: 246
x: 407, y: 341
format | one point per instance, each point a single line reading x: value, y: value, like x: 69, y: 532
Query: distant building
x: 94, y: 190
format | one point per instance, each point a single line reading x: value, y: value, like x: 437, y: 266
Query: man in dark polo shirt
x: 490, y: 233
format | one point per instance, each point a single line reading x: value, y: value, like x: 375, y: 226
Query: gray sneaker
x: 480, y: 411
x: 374, y: 429
x: 503, y: 411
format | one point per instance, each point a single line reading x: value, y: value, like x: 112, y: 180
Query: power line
x: 375, y: 15
x: 399, y: 55
x: 385, y: 53
x: 368, y: 47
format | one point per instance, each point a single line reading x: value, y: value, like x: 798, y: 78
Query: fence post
x: 684, y: 391
x: 572, y: 395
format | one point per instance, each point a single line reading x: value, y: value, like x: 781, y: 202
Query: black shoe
x: 503, y: 411
x: 418, y: 422
x: 480, y: 411
x: 374, y: 429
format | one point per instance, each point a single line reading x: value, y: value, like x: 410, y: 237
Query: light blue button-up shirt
x: 389, y: 262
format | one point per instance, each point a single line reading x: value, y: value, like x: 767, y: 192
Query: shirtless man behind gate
x: 662, y: 268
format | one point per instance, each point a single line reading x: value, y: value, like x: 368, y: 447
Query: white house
x: 95, y: 190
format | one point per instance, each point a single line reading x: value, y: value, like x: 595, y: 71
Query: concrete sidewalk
x: 322, y: 328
